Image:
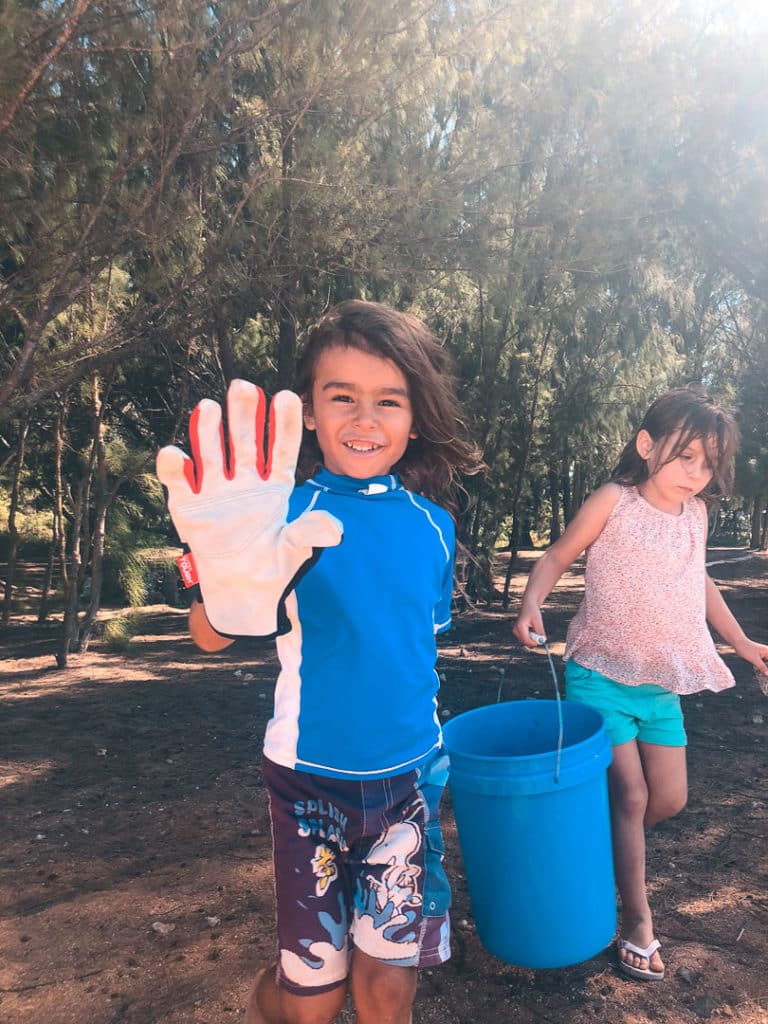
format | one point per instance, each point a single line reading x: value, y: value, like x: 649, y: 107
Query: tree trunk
x: 59, y: 529
x: 286, y: 341
x: 104, y: 499
x: 522, y: 469
x: 554, y: 497
x: 71, y: 588
x: 97, y: 570
x: 757, y: 539
x: 578, y: 487
x: 42, y: 611
x: 226, y: 355
x: 513, y: 548
x: 565, y: 490
x: 13, y: 533
x: 474, y: 537
x: 286, y: 344
x: 80, y: 549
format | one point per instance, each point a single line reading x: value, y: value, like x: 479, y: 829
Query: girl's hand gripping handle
x: 529, y: 626
x: 757, y: 654
x: 232, y: 514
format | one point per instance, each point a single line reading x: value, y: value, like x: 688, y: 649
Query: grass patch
x: 118, y: 633
x: 33, y: 525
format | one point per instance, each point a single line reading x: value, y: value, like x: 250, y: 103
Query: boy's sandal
x: 641, y: 973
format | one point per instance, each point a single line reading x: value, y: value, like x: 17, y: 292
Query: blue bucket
x: 537, y: 852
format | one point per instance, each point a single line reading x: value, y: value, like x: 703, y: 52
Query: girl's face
x: 361, y: 410
x: 670, y: 483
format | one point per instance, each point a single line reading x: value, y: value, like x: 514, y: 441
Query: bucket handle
x: 542, y: 642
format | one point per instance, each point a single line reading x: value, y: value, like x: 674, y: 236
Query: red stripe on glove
x: 193, y: 468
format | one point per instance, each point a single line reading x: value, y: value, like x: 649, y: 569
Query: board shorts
x: 358, y: 864
x: 646, y: 712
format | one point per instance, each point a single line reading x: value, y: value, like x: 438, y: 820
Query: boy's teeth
x: 361, y: 447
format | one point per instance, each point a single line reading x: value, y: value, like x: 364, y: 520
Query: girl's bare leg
x: 647, y: 783
x: 666, y: 775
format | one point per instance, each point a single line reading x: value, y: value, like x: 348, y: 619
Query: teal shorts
x: 646, y: 712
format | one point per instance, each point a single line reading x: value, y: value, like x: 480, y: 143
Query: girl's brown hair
x: 440, y: 453
x: 696, y: 415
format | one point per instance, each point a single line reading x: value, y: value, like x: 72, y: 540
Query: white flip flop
x: 641, y: 973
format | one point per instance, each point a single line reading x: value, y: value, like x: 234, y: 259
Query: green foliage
x: 118, y: 632
x: 136, y: 568
x: 573, y: 199
x: 132, y: 576
x: 33, y: 525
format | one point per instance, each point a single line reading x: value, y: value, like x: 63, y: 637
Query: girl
x: 352, y: 761
x: 639, y: 638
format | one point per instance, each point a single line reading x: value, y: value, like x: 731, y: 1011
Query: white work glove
x: 233, y: 517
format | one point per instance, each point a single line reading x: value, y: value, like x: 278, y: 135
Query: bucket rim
x: 546, y: 754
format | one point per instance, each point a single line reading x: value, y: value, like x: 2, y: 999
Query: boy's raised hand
x: 232, y: 515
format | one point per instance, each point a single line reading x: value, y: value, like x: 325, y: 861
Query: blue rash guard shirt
x: 357, y: 692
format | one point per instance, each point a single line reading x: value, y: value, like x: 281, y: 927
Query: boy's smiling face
x: 360, y: 408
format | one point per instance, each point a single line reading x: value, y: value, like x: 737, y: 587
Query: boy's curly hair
x: 433, y: 461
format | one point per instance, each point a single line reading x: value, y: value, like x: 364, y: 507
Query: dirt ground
x: 136, y: 879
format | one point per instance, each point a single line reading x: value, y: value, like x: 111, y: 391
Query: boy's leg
x: 628, y: 792
x: 402, y: 896
x: 383, y: 993
x: 311, y: 831
x: 269, y: 1004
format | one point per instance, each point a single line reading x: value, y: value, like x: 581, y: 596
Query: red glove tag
x: 188, y: 569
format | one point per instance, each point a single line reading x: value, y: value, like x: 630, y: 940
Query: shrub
x: 118, y: 633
